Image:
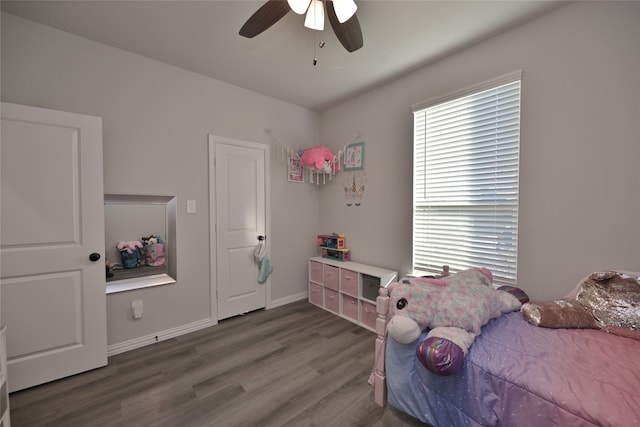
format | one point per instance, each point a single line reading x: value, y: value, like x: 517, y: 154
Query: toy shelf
x: 348, y: 289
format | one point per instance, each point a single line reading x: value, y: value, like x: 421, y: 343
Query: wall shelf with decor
x: 319, y: 164
x: 347, y: 289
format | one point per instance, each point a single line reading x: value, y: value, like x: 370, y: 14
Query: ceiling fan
x: 341, y: 14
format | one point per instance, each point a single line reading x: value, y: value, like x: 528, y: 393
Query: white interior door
x: 240, y: 198
x: 51, y: 221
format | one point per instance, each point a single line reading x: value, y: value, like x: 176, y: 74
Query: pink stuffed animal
x: 130, y: 246
x: 318, y: 157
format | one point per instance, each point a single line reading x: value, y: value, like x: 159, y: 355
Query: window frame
x: 504, y: 264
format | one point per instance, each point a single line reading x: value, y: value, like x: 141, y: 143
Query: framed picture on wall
x: 354, y: 157
x: 295, y: 170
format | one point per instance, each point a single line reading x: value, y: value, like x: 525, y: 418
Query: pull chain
x: 319, y: 44
x: 315, y: 36
x: 315, y: 41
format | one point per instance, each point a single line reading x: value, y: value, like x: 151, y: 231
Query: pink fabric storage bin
x: 331, y: 277
x: 350, y: 307
x: 349, y: 282
x: 316, y: 294
x: 369, y: 314
x: 315, y: 271
x: 332, y: 300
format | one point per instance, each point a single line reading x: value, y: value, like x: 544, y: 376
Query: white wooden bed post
x: 379, y: 377
x: 382, y: 308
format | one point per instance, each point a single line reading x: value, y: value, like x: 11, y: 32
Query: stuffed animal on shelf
x: 107, y: 269
x: 320, y: 158
x: 151, y: 240
x: 606, y: 300
x: 130, y: 246
x: 454, y: 308
x: 153, y: 251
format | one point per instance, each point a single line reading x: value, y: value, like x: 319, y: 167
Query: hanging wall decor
x: 354, y: 184
x: 295, y: 170
x: 354, y: 157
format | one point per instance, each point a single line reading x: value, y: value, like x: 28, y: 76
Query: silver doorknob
x: 94, y: 256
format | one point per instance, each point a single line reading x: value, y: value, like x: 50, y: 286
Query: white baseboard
x: 143, y: 341
x: 118, y: 348
x: 288, y: 300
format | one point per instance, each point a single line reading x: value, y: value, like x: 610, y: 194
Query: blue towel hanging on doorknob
x: 265, y: 269
x: 264, y: 263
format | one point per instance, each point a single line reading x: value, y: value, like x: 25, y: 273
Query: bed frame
x: 378, y: 376
x: 379, y: 379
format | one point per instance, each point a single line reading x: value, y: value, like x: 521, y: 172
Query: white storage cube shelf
x: 347, y: 289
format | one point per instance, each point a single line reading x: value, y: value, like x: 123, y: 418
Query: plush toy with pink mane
x: 453, y: 308
x: 320, y: 158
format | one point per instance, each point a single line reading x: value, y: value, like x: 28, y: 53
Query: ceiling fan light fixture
x: 345, y: 9
x: 299, y: 6
x: 315, y: 16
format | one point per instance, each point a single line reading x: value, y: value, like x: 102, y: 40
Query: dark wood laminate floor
x: 295, y: 365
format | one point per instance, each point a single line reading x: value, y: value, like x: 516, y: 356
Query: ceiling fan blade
x: 349, y: 32
x: 270, y: 13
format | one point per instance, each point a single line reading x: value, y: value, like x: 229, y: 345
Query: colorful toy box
x: 332, y: 247
x: 333, y: 241
x: 337, y: 254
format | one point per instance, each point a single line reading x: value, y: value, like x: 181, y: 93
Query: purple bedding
x: 517, y: 374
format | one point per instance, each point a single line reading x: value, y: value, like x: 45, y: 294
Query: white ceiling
x: 202, y: 36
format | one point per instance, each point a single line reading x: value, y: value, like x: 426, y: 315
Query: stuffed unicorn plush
x: 454, y: 308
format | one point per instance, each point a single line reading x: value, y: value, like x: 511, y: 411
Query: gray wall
x: 580, y: 146
x: 156, y: 118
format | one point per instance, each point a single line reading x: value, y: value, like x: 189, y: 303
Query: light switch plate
x: 191, y: 206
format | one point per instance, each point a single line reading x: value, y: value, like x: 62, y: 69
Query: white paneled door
x: 52, y: 273
x: 239, y: 215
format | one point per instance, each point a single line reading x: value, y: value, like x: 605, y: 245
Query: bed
x: 515, y: 374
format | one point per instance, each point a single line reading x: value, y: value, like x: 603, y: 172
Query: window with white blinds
x: 465, y: 195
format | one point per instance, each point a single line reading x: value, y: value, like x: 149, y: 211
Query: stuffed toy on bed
x: 606, y: 300
x: 454, y: 308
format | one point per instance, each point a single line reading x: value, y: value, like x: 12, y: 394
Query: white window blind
x: 466, y: 164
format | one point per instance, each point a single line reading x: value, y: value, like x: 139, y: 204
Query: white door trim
x: 213, y: 139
